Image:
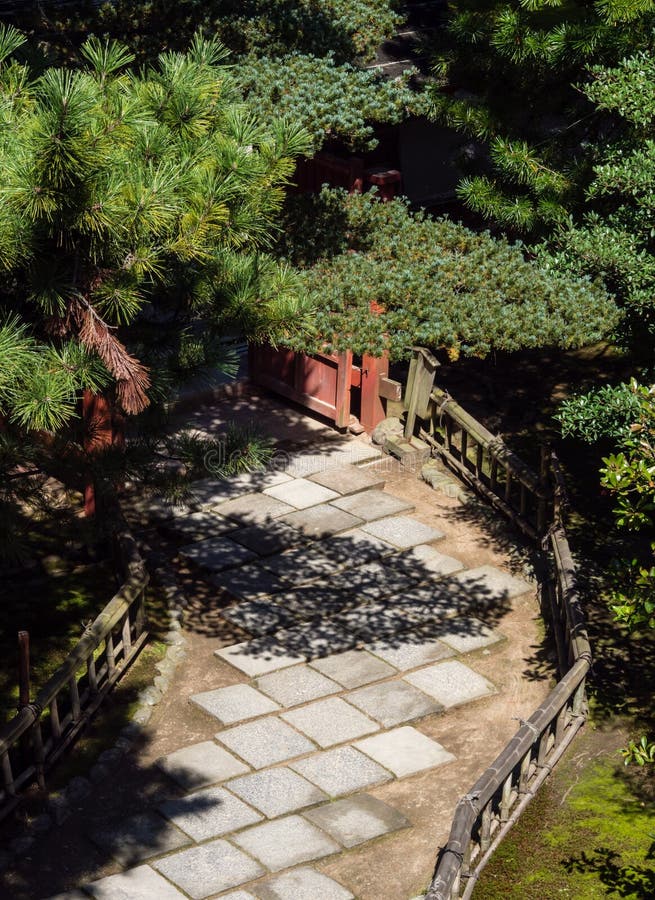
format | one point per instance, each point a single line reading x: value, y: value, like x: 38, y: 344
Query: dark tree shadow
x: 619, y: 880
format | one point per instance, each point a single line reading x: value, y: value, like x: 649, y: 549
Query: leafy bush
x: 439, y: 284
x: 606, y: 412
x: 329, y: 100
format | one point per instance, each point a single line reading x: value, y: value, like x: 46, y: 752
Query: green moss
x: 589, y: 834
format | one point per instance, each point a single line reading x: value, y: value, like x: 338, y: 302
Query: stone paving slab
x: 316, y: 640
x: 199, y: 525
x: 300, y: 684
x: 340, y: 771
x: 254, y: 509
x: 352, y: 453
x: 403, y: 532
x: 371, y: 505
x: 410, y: 650
x: 331, y: 721
x: 211, y: 491
x: 303, y: 883
x: 357, y: 819
x: 261, y: 479
x: 317, y: 600
x: 466, y: 635
x: 217, y: 553
x: 353, y: 668
x: 264, y: 540
x: 424, y: 562
x: 301, y: 493
x: 265, y: 742
x: 248, y: 582
x: 259, y: 617
x: 200, y: 765
x: 404, y: 751
x: 300, y: 564
x: 321, y: 521
x: 276, y: 792
x: 140, y: 883
x: 355, y: 548
x: 493, y: 583
x: 451, y: 683
x: 393, y: 702
x: 208, y: 869
x: 139, y: 837
x: 286, y: 842
x: 372, y: 581
x: 258, y: 659
x: 346, y: 480
x: 234, y: 703
x: 238, y: 895
x: 210, y: 813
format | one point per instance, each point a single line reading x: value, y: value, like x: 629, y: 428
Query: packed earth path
x: 359, y: 648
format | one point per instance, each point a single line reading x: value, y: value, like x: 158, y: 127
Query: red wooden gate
x: 324, y: 382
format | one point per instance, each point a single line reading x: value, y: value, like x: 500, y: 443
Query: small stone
x: 161, y: 683
x: 59, y: 808
x: 111, y: 757
x: 132, y: 732
x: 387, y: 428
x: 21, y: 845
x: 78, y: 788
x: 150, y: 696
x: 174, y: 638
x: 98, y: 773
x: 142, y: 715
x: 41, y: 823
x: 123, y: 744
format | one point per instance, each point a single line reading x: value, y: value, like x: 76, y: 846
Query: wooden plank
x: 419, y: 388
x: 342, y: 400
x: 390, y: 389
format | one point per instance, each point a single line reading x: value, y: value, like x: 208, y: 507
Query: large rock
x: 387, y: 428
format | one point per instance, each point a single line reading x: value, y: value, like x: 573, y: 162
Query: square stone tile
x: 254, y: 509
x: 302, y: 884
x: 286, y: 842
x: 301, y: 493
x: 255, y: 658
x: 372, y: 581
x: 259, y: 617
x: 238, y: 895
x: 200, y: 765
x: 139, y: 837
x: 300, y: 684
x: 320, y: 638
x: 209, y: 813
x: 248, y: 582
x: 265, y: 540
x: 300, y: 564
x: 423, y: 562
x: 208, y: 869
x: 404, y: 751
x: 199, y: 525
x: 355, y: 548
x: 330, y: 721
x: 393, y: 702
x: 357, y: 819
x: 140, y: 883
x: 277, y: 791
x: 353, y: 668
x: 314, y: 602
x: 216, y: 553
x: 340, y: 771
x: 451, y: 683
x: 265, y: 742
x: 492, y: 584
x: 402, y: 531
x: 212, y: 491
x: 465, y: 635
x: 410, y: 650
x: 347, y: 480
x: 261, y: 479
x: 234, y: 703
x: 371, y: 505
x: 320, y: 521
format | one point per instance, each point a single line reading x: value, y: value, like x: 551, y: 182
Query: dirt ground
x: 395, y: 867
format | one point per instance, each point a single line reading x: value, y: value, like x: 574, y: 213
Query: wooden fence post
x: 420, y: 382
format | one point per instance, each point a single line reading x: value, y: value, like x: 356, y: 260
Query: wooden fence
x: 37, y: 736
x: 534, y: 503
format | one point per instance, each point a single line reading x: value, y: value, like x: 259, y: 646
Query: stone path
x: 359, y: 630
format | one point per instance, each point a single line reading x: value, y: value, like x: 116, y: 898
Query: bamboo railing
x: 534, y: 503
x: 37, y: 736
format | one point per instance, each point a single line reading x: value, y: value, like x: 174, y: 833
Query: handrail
x: 535, y: 503
x: 37, y: 736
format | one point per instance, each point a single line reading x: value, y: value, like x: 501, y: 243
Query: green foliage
x: 329, y: 100
x: 606, y: 412
x: 439, y: 284
x: 641, y: 753
x: 348, y: 28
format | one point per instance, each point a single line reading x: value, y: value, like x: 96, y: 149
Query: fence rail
x: 534, y: 502
x: 35, y: 738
